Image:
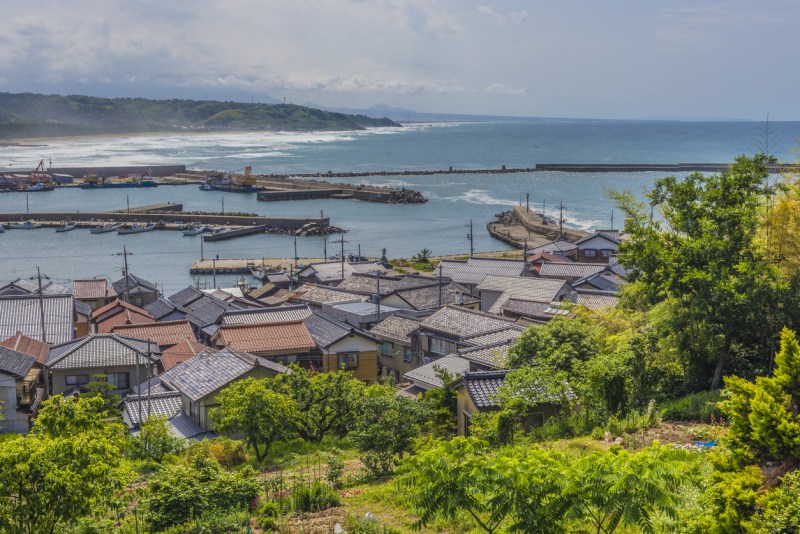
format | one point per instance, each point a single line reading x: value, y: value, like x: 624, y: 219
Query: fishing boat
x: 66, y: 227
x: 27, y: 225
x: 92, y: 181
x: 37, y: 187
x: 135, y: 229
x: 104, y: 229
x: 232, y: 183
x: 194, y: 230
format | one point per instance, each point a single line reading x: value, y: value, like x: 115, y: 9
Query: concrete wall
x: 367, y: 369
x: 157, y: 170
x: 13, y: 421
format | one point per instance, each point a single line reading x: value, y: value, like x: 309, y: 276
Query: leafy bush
x: 700, y: 406
x: 153, y: 442
x: 779, y: 508
x: 314, y: 497
x: 367, y: 525
x: 178, y: 492
x: 214, y: 523
x: 335, y: 469
x: 227, y: 452
x: 268, y: 512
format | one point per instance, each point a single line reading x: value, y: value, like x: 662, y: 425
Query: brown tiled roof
x: 96, y: 288
x: 121, y: 303
x: 166, y: 334
x: 127, y: 314
x: 287, y: 336
x: 180, y: 353
x: 27, y: 345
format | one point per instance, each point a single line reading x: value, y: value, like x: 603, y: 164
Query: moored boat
x: 66, y: 227
x: 38, y: 186
x: 27, y: 225
x: 136, y: 229
x: 104, y: 228
x: 232, y: 183
x: 2, y: 228
x: 194, y: 230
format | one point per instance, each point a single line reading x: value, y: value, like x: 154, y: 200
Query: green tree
x: 326, y: 402
x: 560, y: 345
x: 385, y: 426
x: 154, y: 441
x: 441, y: 406
x: 248, y: 407
x: 60, y: 473
x: 63, y: 416
x: 703, y: 257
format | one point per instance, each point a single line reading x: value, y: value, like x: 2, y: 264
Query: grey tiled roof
x: 15, y: 363
x: 134, y: 284
x: 474, y: 270
x: 538, y: 311
x: 206, y: 372
x: 460, y: 322
x: 326, y: 295
x: 166, y: 404
x: 367, y: 283
x: 602, y: 283
x: 426, y: 376
x: 611, y: 235
x: 331, y: 271
x: 161, y: 307
x: 427, y: 297
x: 508, y: 333
x: 279, y: 314
x: 155, y: 386
x: 482, y: 387
x: 207, y: 310
x: 83, y: 308
x: 183, y: 426
x: 101, y: 350
x: 186, y: 296
x: 396, y: 327
x: 570, y: 270
x: 554, y: 247
x: 26, y: 287
x: 491, y: 356
x: 597, y: 300
x: 22, y: 314
x: 324, y: 330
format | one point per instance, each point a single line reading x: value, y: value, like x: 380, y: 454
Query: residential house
x: 359, y: 314
x: 559, y: 247
x: 317, y: 295
x: 276, y: 314
x: 331, y: 273
x: 469, y: 273
x: 95, y: 292
x: 431, y: 297
x: 27, y: 345
x: 20, y: 390
x: 487, y: 357
x: 428, y: 376
x: 20, y: 287
x: 203, y: 311
x: 569, y: 271
x: 597, y: 300
x: 117, y: 313
x: 345, y: 347
x: 27, y: 314
x: 200, y: 378
x: 179, y: 353
x: 135, y: 290
x: 83, y: 318
x: 598, y: 247
x: 605, y: 280
x: 163, y: 309
x: 166, y: 334
x: 477, y: 392
x: 494, y: 291
x: 139, y: 408
x: 125, y: 361
x: 532, y: 311
x: 398, y: 345
x: 285, y: 342
x: 450, y: 328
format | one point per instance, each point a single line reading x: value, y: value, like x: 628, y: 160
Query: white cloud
x: 514, y: 17
x: 501, y: 89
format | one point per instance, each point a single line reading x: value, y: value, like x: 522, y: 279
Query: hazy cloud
x: 514, y: 17
x: 499, y: 88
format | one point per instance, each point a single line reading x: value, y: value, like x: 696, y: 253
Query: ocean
x: 440, y: 225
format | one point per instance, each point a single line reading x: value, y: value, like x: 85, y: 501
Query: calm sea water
x: 440, y: 225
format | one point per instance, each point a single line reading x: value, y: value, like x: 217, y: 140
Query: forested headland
x: 34, y: 115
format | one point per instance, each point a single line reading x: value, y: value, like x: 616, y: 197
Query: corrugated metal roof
x: 15, y: 363
x: 291, y: 336
x: 396, y: 327
x: 22, y: 314
x: 102, y: 350
x: 278, y: 314
x: 462, y: 322
x: 208, y: 372
x: 474, y: 270
x: 570, y: 270
x: 426, y: 376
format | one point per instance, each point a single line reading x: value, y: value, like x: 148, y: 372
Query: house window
x: 589, y: 252
x: 194, y: 412
x: 119, y: 380
x: 606, y: 252
x: 408, y: 354
x: 77, y: 380
x: 439, y: 346
x: 348, y: 360
x: 386, y: 347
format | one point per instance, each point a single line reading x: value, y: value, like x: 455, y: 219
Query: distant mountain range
x: 408, y: 115
x: 36, y: 115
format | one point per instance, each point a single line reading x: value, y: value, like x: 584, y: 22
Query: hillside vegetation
x: 35, y: 115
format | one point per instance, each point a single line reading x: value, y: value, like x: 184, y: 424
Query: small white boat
x: 27, y: 225
x: 136, y: 229
x: 194, y: 230
x: 66, y: 227
x: 2, y: 228
x: 104, y: 228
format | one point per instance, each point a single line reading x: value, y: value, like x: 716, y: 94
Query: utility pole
x: 128, y: 202
x: 527, y: 202
x: 295, y: 252
x: 325, y: 246
x: 201, y: 248
x: 342, y: 241
x: 441, y: 268
x: 359, y: 252
x: 27, y: 204
x: 543, y: 208
x: 561, y: 222
x: 138, y: 386
x: 214, y: 271
x: 378, y: 273
x: 471, y: 237
x: 41, y: 305
x: 612, y: 219
x: 125, y: 295
x: 223, y: 204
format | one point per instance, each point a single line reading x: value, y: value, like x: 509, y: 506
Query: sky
x: 623, y: 59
